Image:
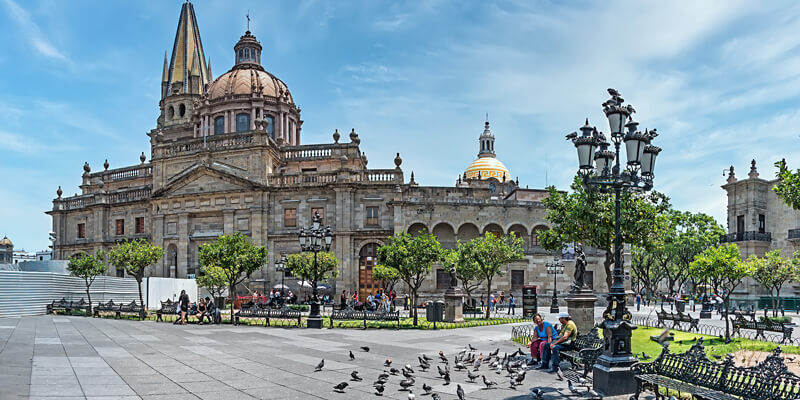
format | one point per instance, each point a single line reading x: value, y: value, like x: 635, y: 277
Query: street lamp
x: 599, y: 169
x: 280, y: 266
x: 554, y: 268
x: 315, y: 239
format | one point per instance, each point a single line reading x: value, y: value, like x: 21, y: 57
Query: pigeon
x: 320, y: 365
x: 572, y: 135
x: 613, y: 92
x: 459, y: 366
x: 572, y: 388
x: 477, y: 364
x: 408, y: 367
x: 379, y: 390
x: 460, y: 393
x: 441, y: 370
x: 663, y: 336
x: 365, y: 348
x: 559, y: 376
x: 340, y: 387
x: 495, y: 352
x: 537, y: 393
x: 388, y: 362
x: 594, y: 395
x: 519, y: 378
x: 472, y: 377
x: 407, y: 374
x: 406, y: 383
x: 488, y: 383
x: 425, y: 356
x: 427, y: 388
x: 354, y: 376
x: 443, y: 357
x: 436, y: 397
x: 469, y: 346
x: 582, y: 380
x: 381, y: 381
x: 447, y: 378
x: 645, y: 356
x: 411, y: 395
x: 383, y: 375
x: 394, y: 371
x: 352, y: 357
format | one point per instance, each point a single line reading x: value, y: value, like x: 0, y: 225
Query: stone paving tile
x: 262, y: 393
x: 57, y: 390
x: 100, y: 380
x: 143, y: 389
x: 54, y: 380
x: 179, y: 396
x: 108, y: 390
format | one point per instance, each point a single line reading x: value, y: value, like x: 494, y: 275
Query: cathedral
x: 226, y: 155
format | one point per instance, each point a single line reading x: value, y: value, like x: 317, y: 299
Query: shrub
x: 783, y: 320
x: 299, y: 307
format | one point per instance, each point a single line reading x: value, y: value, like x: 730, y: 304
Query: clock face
x: 492, y: 187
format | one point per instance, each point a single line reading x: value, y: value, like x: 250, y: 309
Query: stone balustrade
x: 116, y: 197
x: 214, y: 142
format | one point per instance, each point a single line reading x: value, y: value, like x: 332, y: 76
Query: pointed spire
x: 165, y: 73
x: 210, y: 76
x: 186, y: 47
x: 753, y: 170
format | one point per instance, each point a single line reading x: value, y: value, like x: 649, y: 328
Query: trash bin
x: 434, y: 312
x: 680, y: 306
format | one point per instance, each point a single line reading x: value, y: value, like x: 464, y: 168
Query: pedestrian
x: 565, y: 340
x: 638, y: 301
x: 691, y: 302
x: 405, y: 302
x: 491, y: 302
x: 343, y: 299
x: 512, y: 304
x: 184, y: 304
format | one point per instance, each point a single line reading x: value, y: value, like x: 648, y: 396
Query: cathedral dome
x: 6, y: 241
x: 487, y: 167
x: 247, y: 81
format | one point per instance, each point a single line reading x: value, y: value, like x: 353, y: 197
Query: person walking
x: 184, y: 304
x: 638, y: 301
x: 492, y: 300
x: 512, y: 305
x: 343, y: 300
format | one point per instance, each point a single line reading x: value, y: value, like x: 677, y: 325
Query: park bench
x: 263, y: 311
x: 694, y: 374
x: 118, y: 309
x: 167, y: 308
x: 676, y: 318
x: 750, y: 313
x: 351, y: 314
x: 67, y: 306
x: 585, y: 351
x: 760, y: 326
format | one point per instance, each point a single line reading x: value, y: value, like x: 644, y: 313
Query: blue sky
x: 720, y: 81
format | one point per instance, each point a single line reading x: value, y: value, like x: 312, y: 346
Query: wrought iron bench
x: 167, y: 308
x: 351, y: 314
x: 131, y: 308
x: 586, y: 349
x: 676, y: 318
x: 263, y: 311
x: 760, y: 326
x: 745, y: 313
x: 694, y: 374
x: 67, y: 306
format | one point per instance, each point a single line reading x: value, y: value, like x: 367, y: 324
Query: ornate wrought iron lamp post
x: 280, y: 266
x: 554, y: 268
x: 600, y: 170
x: 315, y: 239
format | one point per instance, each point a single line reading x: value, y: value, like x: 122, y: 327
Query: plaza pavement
x: 64, y: 357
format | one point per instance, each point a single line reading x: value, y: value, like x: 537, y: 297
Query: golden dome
x: 245, y: 81
x: 6, y: 241
x: 489, y: 167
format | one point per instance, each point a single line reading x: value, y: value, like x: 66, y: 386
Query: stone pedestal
x: 613, y: 374
x: 454, y: 305
x: 580, y: 305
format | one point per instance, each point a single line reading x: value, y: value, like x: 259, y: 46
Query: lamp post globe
x: 315, y: 239
x: 612, y: 372
x: 280, y: 266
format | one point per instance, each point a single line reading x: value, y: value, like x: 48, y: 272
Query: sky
x: 720, y: 80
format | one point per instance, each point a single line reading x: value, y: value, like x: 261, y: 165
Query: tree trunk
x: 609, y: 261
x: 413, y: 305
x: 88, y: 296
x: 488, y: 293
x: 778, y: 300
x: 141, y: 299
x: 727, y: 324
x: 233, y: 300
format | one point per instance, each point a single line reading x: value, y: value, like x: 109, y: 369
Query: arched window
x: 171, y: 112
x: 247, y: 54
x: 241, y: 55
x: 242, y: 122
x: 182, y: 110
x: 219, y: 125
x: 270, y: 126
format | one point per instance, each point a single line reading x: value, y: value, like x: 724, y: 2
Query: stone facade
x: 758, y: 221
x: 226, y: 157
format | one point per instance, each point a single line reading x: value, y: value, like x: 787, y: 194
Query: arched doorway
x: 417, y: 229
x: 445, y: 235
x: 367, y: 258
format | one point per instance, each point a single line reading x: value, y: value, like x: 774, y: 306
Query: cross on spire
x: 248, y: 19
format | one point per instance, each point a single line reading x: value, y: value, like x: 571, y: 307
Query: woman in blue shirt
x: 543, y: 334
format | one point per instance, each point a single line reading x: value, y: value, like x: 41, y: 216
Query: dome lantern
x: 247, y: 51
x: 487, y: 165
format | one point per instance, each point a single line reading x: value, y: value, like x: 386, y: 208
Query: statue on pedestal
x: 453, y: 279
x: 580, y: 270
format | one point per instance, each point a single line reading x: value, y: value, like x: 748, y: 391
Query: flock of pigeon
x: 468, y: 361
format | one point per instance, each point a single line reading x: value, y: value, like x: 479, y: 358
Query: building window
x: 219, y: 125
x: 315, y: 211
x: 242, y: 122
x: 740, y: 224
x: 81, y: 231
x: 442, y: 279
x: 372, y: 216
x: 182, y: 110
x: 517, y: 279
x: 120, y: 227
x: 535, y: 237
x: 270, y: 125
x: 139, y: 225
x: 762, y: 223
x: 120, y: 273
x: 290, y: 217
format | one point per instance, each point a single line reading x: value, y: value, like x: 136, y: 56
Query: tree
x: 412, y: 258
x: 691, y: 235
x: 646, y: 269
x: 236, y: 256
x: 302, y: 266
x: 466, y: 271
x: 490, y: 253
x: 134, y: 256
x: 387, y: 275
x: 88, y: 267
x: 723, y: 267
x: 587, y: 216
x: 788, y: 186
x: 212, y: 278
x: 773, y: 271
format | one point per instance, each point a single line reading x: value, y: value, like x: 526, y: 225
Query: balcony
x: 747, y: 236
x: 794, y: 234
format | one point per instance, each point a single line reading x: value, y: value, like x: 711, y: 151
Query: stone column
x: 183, y: 245
x: 228, y: 221
x: 157, y: 229
x: 454, y: 305
x: 580, y: 305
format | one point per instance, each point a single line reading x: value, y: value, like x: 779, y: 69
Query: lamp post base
x: 314, y: 320
x: 554, y: 306
x: 613, y: 375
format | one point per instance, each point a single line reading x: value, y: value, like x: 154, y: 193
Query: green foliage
x: 302, y: 266
x: 299, y: 307
x: 212, y: 278
x: 783, y: 320
x: 387, y: 275
x: 723, y: 267
x: 235, y: 255
x: 412, y: 258
x: 487, y: 254
x: 587, y: 216
x: 88, y: 267
x: 134, y: 256
x: 773, y: 271
x: 467, y: 271
x: 788, y: 186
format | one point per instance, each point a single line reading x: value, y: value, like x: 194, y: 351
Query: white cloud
x: 31, y: 30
